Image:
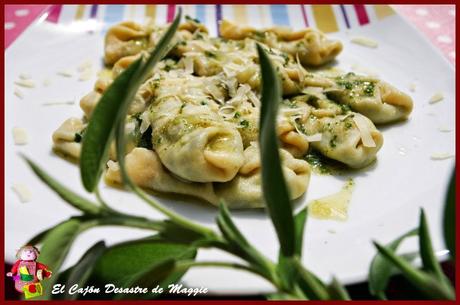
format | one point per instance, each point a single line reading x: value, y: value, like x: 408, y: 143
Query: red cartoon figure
x: 27, y: 272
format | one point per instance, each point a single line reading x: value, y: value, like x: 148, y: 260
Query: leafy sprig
x: 178, y: 238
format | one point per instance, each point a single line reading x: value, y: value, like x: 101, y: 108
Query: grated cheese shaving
x: 145, y: 121
x: 20, y: 136
x: 364, y: 131
x: 55, y: 103
x: 444, y: 129
x: 24, y: 76
x: 241, y: 95
x: 86, y: 75
x: 22, y: 191
x: 437, y: 97
x: 18, y: 93
x: 227, y: 111
x: 212, y: 89
x: 26, y: 83
x: 113, y: 165
x: 65, y: 73
x: 188, y: 63
x: 254, y: 99
x: 46, y: 82
x: 299, y: 69
x: 86, y: 65
x: 315, y: 137
x: 130, y: 127
x: 441, y: 156
x: 363, y: 41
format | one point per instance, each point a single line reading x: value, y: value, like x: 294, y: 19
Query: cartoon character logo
x: 27, y: 272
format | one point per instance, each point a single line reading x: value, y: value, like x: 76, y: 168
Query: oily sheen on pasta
x: 193, y: 126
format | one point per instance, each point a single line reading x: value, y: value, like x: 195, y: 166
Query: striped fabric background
x: 328, y: 18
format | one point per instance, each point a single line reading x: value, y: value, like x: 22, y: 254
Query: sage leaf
x: 69, y: 196
x: 55, y: 248
x: 228, y: 227
x: 286, y: 267
x: 81, y: 271
x: 449, y: 217
x: 101, y: 126
x: 337, y: 291
x: 381, y: 269
x: 173, y: 232
x: 273, y: 184
x: 299, y: 223
x: 430, y: 263
x: 120, y: 263
x: 287, y: 272
x: 424, y: 282
x: 311, y: 286
x: 160, y: 273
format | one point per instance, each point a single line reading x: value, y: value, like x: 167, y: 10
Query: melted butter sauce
x: 335, y: 206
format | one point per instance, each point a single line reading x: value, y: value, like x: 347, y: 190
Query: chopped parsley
x: 244, y: 123
x: 300, y: 126
x: 333, y: 141
x: 236, y: 115
x: 345, y: 108
x: 369, y: 89
x: 210, y: 54
x: 316, y: 160
x: 79, y: 135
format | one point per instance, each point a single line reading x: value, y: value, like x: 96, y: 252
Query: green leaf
x: 173, y: 232
x: 69, y: 196
x: 430, y: 263
x: 425, y: 283
x: 228, y: 227
x: 311, y: 286
x: 135, y: 82
x: 81, y: 271
x: 121, y: 262
x: 273, y: 184
x: 381, y: 269
x: 287, y: 272
x: 337, y: 291
x: 299, y: 223
x: 160, y: 273
x: 449, y: 217
x: 56, y: 245
x: 101, y: 127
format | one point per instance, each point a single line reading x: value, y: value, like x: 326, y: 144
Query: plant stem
x: 176, y: 218
x: 104, y: 204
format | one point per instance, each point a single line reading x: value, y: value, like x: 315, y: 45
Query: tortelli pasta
x: 193, y: 126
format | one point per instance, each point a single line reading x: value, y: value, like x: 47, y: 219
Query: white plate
x: 385, y: 203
